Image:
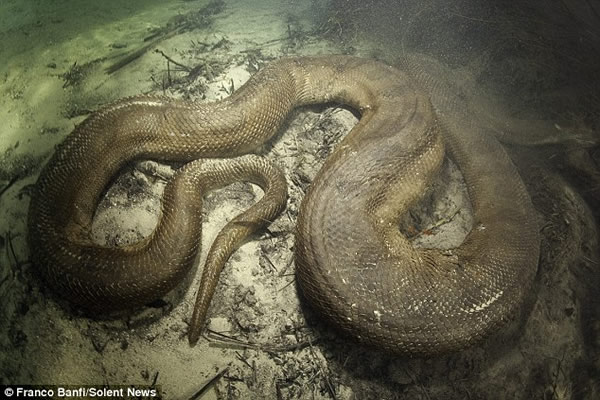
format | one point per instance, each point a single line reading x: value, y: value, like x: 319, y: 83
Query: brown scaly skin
x: 352, y: 263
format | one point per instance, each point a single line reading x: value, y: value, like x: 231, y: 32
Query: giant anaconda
x: 353, y: 264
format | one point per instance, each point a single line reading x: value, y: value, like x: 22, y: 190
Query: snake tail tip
x: 193, y: 336
x: 196, y: 325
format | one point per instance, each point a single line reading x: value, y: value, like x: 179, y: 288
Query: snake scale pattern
x: 353, y: 264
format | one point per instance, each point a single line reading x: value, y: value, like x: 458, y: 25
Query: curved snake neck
x: 353, y: 264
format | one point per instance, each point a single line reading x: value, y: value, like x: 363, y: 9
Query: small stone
x: 569, y: 311
x: 219, y: 324
x: 250, y: 299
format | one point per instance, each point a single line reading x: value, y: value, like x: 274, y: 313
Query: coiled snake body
x: 353, y: 264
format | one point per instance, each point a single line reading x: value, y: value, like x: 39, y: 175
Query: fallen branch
x: 138, y: 53
x: 208, y: 384
x: 9, y: 184
x: 217, y: 339
x: 162, y: 53
x: 177, y: 25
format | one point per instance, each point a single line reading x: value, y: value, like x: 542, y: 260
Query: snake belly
x: 353, y: 264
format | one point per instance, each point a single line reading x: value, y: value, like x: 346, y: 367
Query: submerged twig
x: 162, y: 53
x: 220, y: 339
x: 284, y: 270
x: 154, y: 379
x: 138, y: 53
x: 323, y: 370
x: 270, y: 263
x: 286, y: 285
x: 208, y: 384
x: 590, y: 260
x: 9, y: 184
x: 10, y: 249
x: 179, y: 24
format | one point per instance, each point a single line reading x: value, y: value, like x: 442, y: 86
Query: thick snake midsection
x: 352, y: 262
